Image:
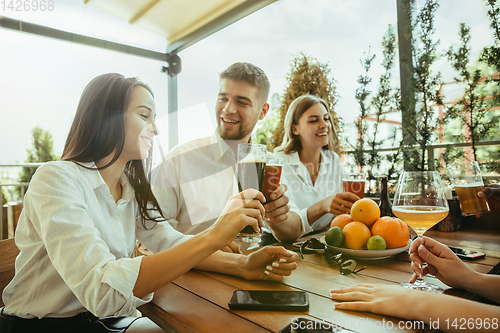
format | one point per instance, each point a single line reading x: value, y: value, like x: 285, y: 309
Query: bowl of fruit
x: 365, y: 235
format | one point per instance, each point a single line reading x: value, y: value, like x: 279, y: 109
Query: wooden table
x: 197, y: 301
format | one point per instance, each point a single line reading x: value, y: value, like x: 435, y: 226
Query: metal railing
x: 430, y: 150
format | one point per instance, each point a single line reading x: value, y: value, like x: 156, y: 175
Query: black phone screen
x: 269, y: 300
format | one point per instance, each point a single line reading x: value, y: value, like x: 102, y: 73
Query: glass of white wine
x: 421, y: 203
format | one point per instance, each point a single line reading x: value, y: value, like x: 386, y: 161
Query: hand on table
x: 387, y: 300
x: 441, y: 261
x: 243, y: 209
x: 340, y: 203
x: 270, y: 263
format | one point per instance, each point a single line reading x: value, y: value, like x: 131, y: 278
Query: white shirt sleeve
x: 101, y: 282
x: 166, y: 188
x: 157, y: 237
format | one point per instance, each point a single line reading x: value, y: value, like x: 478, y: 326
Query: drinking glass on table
x: 354, y: 182
x: 421, y: 203
x: 468, y: 182
x: 250, y: 170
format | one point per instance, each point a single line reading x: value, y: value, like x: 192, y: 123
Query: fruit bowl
x: 368, y: 254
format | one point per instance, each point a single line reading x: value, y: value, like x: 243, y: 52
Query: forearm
x: 453, y: 314
x: 288, y: 230
x: 315, y: 211
x: 486, y: 285
x: 223, y: 262
x: 161, y: 268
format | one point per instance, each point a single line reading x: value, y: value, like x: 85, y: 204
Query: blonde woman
x: 312, y: 171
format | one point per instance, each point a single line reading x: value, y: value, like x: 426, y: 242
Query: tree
x: 472, y: 109
x: 42, y: 151
x: 491, y: 54
x: 362, y: 94
x: 307, y: 76
x: 491, y: 57
x: 426, y: 88
x: 366, y: 152
x: 385, y: 100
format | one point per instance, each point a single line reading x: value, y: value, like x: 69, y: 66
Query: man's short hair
x: 244, y: 71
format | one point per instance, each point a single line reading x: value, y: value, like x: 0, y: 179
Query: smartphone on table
x: 269, y: 300
x: 467, y: 254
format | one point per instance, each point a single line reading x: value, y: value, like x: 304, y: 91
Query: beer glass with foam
x: 467, y: 179
x: 250, y: 171
x: 354, y: 182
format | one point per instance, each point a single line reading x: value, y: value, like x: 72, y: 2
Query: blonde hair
x: 291, y: 142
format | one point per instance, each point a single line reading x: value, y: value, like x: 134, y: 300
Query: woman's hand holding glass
x: 277, y: 209
x: 492, y: 193
x: 242, y: 209
x: 340, y: 203
x: 441, y: 262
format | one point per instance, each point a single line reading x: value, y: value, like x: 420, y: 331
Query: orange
x: 366, y: 211
x: 356, y: 234
x: 393, y: 230
x: 341, y: 220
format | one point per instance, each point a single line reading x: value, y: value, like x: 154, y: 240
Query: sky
x: 41, y: 79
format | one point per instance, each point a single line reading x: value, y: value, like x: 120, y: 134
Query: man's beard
x: 239, y: 135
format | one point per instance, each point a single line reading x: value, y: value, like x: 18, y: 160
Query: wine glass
x: 421, y: 203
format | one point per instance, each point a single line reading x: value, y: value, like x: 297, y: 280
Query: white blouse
x: 76, y: 245
x: 301, y: 190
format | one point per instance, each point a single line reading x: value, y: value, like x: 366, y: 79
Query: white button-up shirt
x: 76, y: 245
x: 301, y: 190
x: 194, y: 182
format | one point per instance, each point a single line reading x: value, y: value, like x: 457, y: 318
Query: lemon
x: 334, y: 237
x: 376, y: 243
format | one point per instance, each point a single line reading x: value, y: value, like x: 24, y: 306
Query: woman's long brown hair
x: 98, y: 130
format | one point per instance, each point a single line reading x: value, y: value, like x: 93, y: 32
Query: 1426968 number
x: 27, y: 5
x: 472, y: 323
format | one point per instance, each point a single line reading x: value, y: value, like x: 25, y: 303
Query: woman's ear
x: 294, y: 129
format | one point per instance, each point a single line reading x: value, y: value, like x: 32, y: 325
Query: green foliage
x: 426, y: 87
x: 42, y: 151
x: 307, y: 76
x: 472, y: 110
x: 362, y: 94
x: 366, y: 154
x: 491, y: 57
x: 5, y: 196
x: 385, y: 100
x: 491, y: 54
x: 266, y: 128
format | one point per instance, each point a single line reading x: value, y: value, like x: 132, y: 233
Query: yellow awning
x: 180, y: 22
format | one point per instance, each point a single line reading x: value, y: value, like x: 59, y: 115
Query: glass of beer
x: 421, y: 203
x: 468, y: 181
x: 250, y: 170
x: 272, y: 176
x: 354, y: 183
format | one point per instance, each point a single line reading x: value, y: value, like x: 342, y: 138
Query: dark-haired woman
x: 82, y: 216
x: 312, y: 171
